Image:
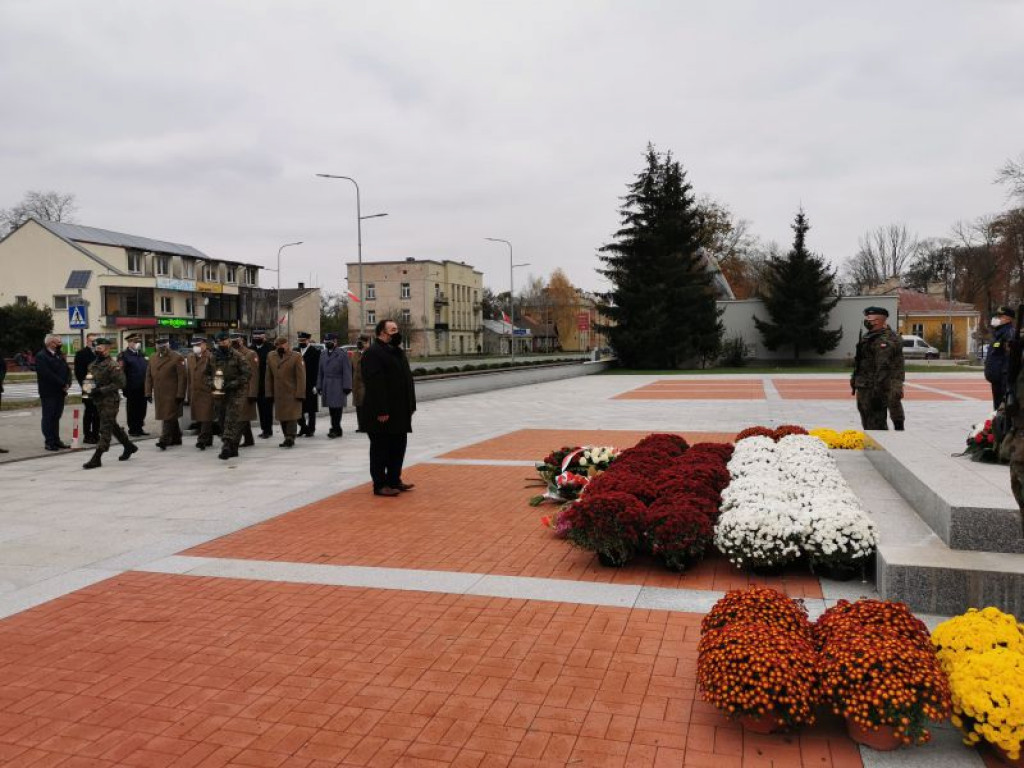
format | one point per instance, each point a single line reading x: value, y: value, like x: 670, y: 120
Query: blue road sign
x: 78, y: 317
x: 520, y: 332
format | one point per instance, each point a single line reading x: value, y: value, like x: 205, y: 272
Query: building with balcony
x: 128, y: 283
x: 435, y: 303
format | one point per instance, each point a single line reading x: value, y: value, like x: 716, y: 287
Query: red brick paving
x: 461, y: 518
x: 976, y: 388
x: 152, y: 670
x: 535, y: 444
x: 839, y: 389
x: 703, y: 389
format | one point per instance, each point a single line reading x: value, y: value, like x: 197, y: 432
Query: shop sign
x: 176, y: 322
x: 174, y: 284
x: 210, y: 324
x: 210, y: 287
x: 134, y: 322
x: 583, y: 321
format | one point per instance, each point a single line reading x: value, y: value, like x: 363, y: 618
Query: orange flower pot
x: 760, y: 724
x: 884, y: 739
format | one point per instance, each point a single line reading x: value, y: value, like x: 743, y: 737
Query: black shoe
x: 265, y: 435
x: 50, y: 448
x: 63, y: 446
x: 95, y: 461
x: 385, y: 491
x: 4, y: 450
x: 405, y: 486
x: 90, y: 440
x: 332, y: 434
x: 307, y: 434
x: 898, y: 426
x: 161, y: 445
x: 288, y: 443
x: 126, y: 454
x: 248, y: 442
x: 225, y: 452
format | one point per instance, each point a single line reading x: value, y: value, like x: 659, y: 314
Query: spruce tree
x: 800, y: 293
x: 662, y: 301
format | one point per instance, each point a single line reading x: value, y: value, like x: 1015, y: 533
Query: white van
x: 915, y: 346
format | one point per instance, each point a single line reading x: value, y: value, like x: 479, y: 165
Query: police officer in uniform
x: 997, y: 363
x: 878, y: 374
x: 108, y: 379
x: 133, y: 363
x: 311, y: 404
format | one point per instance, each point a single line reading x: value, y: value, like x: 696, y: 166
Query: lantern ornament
x: 88, y: 386
x: 218, y: 382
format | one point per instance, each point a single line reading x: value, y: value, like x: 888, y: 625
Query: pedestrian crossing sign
x: 78, y: 317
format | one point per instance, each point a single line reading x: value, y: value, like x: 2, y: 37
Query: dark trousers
x: 266, y: 411
x: 335, y: 418
x: 387, y: 454
x: 90, y: 421
x: 307, y: 422
x: 136, y: 410
x: 997, y: 394
x: 53, y: 409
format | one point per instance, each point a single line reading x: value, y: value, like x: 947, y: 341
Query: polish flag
x: 353, y: 297
x: 506, y: 318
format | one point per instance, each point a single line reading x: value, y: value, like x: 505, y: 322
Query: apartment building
x: 435, y: 303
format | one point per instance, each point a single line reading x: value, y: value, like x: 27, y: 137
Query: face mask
x: 258, y: 340
x: 137, y: 346
x: 197, y: 349
x: 303, y: 344
x: 281, y: 351
x: 163, y: 347
x: 100, y: 355
x: 995, y: 322
x: 396, y: 339
x: 330, y: 344
x: 867, y: 324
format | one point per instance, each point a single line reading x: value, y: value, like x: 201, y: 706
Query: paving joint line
x: 937, y: 391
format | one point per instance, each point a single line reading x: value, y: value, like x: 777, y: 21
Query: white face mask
x: 996, y: 322
x: 137, y: 346
x: 197, y: 349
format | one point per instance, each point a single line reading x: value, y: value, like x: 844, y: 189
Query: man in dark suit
x: 389, y: 401
x: 133, y: 363
x: 91, y: 419
x: 264, y: 404
x: 53, y: 376
x: 311, y: 361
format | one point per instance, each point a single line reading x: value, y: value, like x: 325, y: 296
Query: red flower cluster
x: 788, y: 429
x: 678, y: 529
x: 756, y: 658
x: 622, y: 481
x: 775, y: 434
x: 609, y: 523
x: 723, y: 450
x: 663, y: 443
x: 878, y: 669
x: 555, y: 458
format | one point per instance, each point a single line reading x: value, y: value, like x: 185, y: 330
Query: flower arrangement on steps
x: 982, y: 651
x: 787, y: 500
x: 761, y: 661
x: 566, y: 471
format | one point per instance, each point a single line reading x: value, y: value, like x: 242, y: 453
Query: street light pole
x: 277, y: 315
x: 511, y: 292
x: 359, y: 239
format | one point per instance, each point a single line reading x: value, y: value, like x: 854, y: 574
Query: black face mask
x: 396, y: 340
x: 100, y: 355
x: 329, y: 344
x: 281, y: 351
x: 303, y: 344
x: 259, y: 341
x: 868, y: 325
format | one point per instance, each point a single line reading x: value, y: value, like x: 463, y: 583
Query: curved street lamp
x: 277, y: 315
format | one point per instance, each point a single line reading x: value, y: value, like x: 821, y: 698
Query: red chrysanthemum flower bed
x: 609, y: 523
x: 759, y: 605
x: 678, y: 529
x: 622, y: 481
x: 664, y: 443
x: 723, y: 450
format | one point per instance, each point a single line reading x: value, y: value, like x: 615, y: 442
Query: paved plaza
x: 178, y: 610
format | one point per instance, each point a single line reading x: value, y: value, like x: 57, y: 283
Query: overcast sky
x: 205, y: 122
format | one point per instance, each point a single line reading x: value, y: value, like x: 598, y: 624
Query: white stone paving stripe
x: 938, y: 391
x: 770, y: 392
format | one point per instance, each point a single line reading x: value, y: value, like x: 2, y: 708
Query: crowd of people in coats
x: 228, y: 385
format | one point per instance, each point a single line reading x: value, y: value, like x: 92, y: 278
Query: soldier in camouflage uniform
x: 878, y: 375
x: 108, y: 379
x: 236, y: 371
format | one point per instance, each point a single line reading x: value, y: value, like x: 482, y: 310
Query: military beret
x: 330, y: 337
x: 222, y: 336
x: 101, y: 340
x: 1006, y: 310
x: 133, y: 337
x: 304, y: 335
x: 198, y: 340
x: 876, y: 311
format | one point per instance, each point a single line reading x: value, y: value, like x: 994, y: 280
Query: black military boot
x: 288, y: 442
x: 161, y: 444
x: 248, y: 441
x: 95, y: 461
x: 225, y: 451
x: 897, y: 425
x: 129, y: 449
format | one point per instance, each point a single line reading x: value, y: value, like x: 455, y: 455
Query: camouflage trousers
x: 1016, y: 440
x: 873, y: 411
x: 234, y: 418
x: 107, y: 410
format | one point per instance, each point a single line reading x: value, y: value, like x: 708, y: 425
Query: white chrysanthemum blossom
x: 760, y: 534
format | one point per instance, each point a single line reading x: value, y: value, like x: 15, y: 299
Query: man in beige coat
x: 166, y: 384
x: 200, y: 396
x: 286, y: 385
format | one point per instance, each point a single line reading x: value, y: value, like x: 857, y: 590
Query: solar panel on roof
x: 79, y: 280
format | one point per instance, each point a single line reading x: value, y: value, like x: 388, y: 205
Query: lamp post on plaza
x: 277, y: 315
x: 511, y: 291
x: 359, y: 238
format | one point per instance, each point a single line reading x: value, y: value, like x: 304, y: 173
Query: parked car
x: 916, y: 347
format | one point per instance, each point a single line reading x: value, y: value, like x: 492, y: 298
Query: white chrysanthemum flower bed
x: 789, y: 498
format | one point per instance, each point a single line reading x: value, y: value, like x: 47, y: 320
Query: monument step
x: 967, y: 504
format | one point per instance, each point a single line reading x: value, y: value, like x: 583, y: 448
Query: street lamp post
x: 511, y: 291
x: 359, y: 239
x: 277, y: 315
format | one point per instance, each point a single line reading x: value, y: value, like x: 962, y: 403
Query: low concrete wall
x: 470, y: 383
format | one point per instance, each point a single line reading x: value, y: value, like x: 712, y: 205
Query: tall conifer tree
x: 800, y: 294
x: 662, y: 300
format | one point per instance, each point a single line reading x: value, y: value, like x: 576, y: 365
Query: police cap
x: 876, y: 311
x: 1006, y: 310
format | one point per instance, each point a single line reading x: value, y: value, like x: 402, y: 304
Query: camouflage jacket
x: 235, y: 368
x: 109, y: 378
x: 879, y: 361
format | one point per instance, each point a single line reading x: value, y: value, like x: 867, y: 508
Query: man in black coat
x: 264, y: 404
x: 311, y: 360
x: 389, y: 401
x: 997, y: 363
x: 53, y: 377
x: 91, y: 419
x: 134, y: 364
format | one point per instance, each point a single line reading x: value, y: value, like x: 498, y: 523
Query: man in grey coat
x: 334, y: 381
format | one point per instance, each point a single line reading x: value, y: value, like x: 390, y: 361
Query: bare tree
x: 49, y: 206
x: 884, y: 253
x: 1012, y: 175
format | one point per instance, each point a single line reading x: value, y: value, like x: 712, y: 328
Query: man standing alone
x: 91, y: 419
x: 133, y: 363
x: 877, y: 379
x: 389, y: 402
x: 997, y: 363
x: 53, y: 377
